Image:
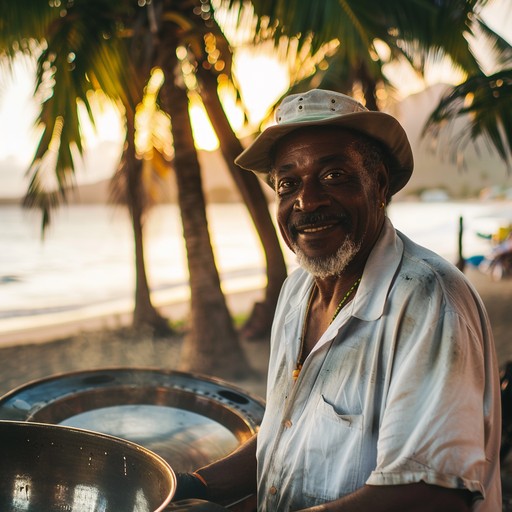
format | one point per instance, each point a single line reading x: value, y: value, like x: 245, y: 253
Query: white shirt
x: 402, y: 387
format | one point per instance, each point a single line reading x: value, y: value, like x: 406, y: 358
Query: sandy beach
x: 106, y: 341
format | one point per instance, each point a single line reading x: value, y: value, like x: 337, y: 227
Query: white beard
x: 331, y: 265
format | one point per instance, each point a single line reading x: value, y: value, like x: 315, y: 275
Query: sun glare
x: 18, y: 110
x: 262, y: 79
x: 108, y: 125
x: 202, y: 129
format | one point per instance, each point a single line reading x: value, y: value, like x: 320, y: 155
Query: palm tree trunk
x: 144, y: 314
x: 211, y: 345
x: 260, y: 321
x: 368, y: 83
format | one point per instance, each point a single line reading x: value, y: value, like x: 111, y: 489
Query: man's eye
x: 284, y: 185
x: 332, y: 175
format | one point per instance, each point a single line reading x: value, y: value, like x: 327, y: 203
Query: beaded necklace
x: 300, y: 359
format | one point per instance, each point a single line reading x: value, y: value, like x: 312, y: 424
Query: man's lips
x: 316, y: 223
x: 315, y: 229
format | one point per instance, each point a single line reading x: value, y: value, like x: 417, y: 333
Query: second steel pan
x: 46, y: 468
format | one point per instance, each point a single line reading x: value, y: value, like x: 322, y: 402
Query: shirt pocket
x: 332, y: 453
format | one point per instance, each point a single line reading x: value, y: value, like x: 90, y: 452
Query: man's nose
x: 310, y: 197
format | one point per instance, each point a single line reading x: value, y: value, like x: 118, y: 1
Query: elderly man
x: 383, y: 384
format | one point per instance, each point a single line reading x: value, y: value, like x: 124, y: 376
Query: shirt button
x: 272, y: 490
x: 287, y: 424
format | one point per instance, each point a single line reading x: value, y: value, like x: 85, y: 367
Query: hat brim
x: 377, y: 125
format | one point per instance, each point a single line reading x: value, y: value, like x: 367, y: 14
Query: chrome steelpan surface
x: 187, y: 419
x: 50, y: 468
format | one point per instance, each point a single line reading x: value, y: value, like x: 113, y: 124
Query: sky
x: 18, y: 110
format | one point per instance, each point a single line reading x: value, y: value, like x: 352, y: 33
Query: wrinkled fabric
x: 402, y: 387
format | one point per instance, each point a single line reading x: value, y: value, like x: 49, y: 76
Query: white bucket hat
x: 319, y: 107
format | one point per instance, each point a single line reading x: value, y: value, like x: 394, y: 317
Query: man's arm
x: 232, y: 477
x: 417, y: 497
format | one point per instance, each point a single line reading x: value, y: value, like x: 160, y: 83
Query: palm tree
x: 211, y: 345
x: 208, y: 52
x: 80, y: 55
x: 128, y: 187
x: 414, y: 31
x: 260, y: 320
x: 113, y: 50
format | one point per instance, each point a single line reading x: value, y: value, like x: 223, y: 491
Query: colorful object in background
x: 498, y: 263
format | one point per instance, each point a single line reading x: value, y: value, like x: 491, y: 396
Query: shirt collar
x: 379, y: 271
x: 380, y: 268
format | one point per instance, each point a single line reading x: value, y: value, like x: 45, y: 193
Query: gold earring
x: 382, y: 205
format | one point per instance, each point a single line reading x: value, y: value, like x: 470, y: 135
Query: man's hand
x: 224, y: 481
x: 189, y: 486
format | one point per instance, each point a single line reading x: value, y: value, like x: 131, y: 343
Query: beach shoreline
x: 49, y: 327
x: 107, y: 341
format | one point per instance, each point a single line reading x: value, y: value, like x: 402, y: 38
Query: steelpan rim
x: 250, y: 415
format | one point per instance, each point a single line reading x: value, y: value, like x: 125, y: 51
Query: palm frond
x: 21, y: 27
x: 485, y: 104
x: 497, y: 48
x: 424, y: 31
x: 421, y: 30
x: 83, y: 53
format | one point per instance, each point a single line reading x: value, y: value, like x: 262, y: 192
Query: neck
x: 332, y: 289
x: 319, y: 315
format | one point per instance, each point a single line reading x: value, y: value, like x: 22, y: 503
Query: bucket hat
x: 320, y: 107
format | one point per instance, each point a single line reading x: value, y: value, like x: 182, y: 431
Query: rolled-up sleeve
x: 433, y: 427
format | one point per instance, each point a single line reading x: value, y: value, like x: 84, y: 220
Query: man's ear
x: 383, y: 181
x: 271, y: 179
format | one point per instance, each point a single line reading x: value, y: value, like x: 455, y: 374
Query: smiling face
x: 329, y: 198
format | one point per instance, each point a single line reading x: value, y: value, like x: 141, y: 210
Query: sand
x: 107, y: 342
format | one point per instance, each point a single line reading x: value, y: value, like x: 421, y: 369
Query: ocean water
x: 85, y: 266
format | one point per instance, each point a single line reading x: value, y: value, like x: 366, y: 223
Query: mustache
x: 302, y: 220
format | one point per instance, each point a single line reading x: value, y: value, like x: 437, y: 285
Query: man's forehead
x: 321, y: 149
x: 338, y: 156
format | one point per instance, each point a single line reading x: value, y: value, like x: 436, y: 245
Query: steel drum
x: 45, y: 468
x: 188, y: 420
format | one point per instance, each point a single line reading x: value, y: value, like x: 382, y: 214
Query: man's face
x: 329, y: 205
